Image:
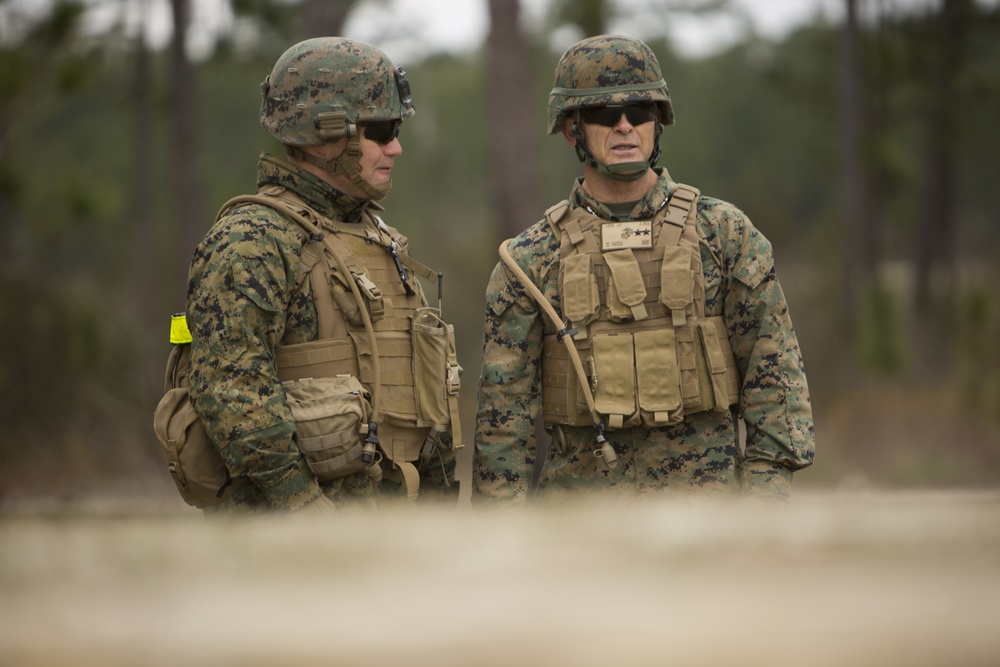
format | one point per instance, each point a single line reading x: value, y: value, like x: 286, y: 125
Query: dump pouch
x: 195, y: 466
x: 193, y: 462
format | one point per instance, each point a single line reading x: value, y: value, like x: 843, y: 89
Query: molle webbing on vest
x: 651, y: 356
x: 360, y: 264
x: 703, y: 385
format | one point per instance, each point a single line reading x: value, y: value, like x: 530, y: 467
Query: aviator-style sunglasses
x: 382, y: 131
x: 637, y: 114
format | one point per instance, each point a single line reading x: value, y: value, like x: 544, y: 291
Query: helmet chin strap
x: 622, y: 171
x: 347, y: 163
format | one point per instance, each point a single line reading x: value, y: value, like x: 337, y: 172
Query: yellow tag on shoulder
x: 621, y: 235
x: 179, y: 333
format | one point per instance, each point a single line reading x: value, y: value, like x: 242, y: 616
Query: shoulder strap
x: 680, y: 211
x: 281, y: 205
x: 554, y: 214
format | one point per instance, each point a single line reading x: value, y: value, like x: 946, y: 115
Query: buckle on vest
x: 453, y: 381
x: 369, y: 289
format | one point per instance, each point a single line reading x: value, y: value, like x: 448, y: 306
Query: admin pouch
x: 192, y: 460
x: 331, y: 417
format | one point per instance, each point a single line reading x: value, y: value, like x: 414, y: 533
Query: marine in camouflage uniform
x: 603, y: 75
x: 243, y: 297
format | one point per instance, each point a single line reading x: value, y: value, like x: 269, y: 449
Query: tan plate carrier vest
x: 401, y: 350
x: 635, y: 291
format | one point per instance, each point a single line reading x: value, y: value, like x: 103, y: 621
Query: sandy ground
x: 832, y: 579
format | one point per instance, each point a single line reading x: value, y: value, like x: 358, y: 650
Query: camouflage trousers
x: 700, y: 455
x: 356, y: 489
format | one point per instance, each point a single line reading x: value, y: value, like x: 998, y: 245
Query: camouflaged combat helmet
x: 602, y: 71
x: 321, y: 89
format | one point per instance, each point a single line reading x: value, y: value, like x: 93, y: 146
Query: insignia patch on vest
x: 620, y: 235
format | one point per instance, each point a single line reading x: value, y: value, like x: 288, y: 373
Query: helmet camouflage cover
x: 607, y: 70
x: 320, y: 87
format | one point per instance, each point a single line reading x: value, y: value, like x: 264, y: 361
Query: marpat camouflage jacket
x: 243, y: 301
x: 701, y: 452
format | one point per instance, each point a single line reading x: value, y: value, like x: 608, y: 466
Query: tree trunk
x: 514, y: 131
x: 325, y: 18
x: 937, y: 238
x: 145, y: 302
x: 189, y: 209
x: 855, y: 227
x: 590, y: 16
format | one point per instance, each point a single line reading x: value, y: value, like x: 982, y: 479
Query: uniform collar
x: 318, y: 194
x: 647, y: 207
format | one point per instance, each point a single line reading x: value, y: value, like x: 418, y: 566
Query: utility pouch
x: 562, y: 398
x: 370, y: 292
x: 677, y: 281
x: 331, y: 415
x: 721, y: 368
x: 348, y: 305
x: 580, y: 297
x: 193, y: 462
x: 436, y: 373
x: 626, y: 289
x: 658, y: 377
x: 614, y: 379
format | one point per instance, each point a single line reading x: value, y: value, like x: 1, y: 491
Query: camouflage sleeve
x: 237, y: 297
x: 508, y: 400
x: 774, y: 401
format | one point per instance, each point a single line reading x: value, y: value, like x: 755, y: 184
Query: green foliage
x: 882, y: 341
x: 756, y: 125
x: 976, y: 350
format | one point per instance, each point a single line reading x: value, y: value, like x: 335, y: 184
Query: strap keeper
x: 639, y: 312
x: 681, y: 192
x: 676, y: 216
x: 576, y: 236
x: 567, y: 331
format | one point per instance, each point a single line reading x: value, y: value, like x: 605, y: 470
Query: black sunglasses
x: 637, y: 114
x: 382, y: 131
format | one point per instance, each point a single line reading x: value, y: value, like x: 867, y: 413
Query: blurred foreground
x: 832, y: 579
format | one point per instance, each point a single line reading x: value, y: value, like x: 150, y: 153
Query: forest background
x: 863, y: 148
